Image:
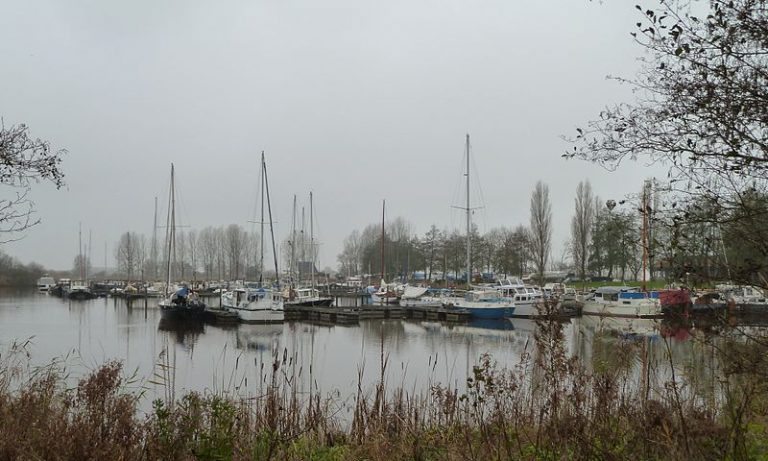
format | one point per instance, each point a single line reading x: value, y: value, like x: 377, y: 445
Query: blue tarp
x: 639, y: 295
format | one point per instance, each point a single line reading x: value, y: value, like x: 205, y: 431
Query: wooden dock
x: 351, y: 315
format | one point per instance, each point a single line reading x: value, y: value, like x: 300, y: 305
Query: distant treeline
x: 15, y: 274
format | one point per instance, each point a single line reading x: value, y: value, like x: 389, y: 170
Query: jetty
x: 352, y: 309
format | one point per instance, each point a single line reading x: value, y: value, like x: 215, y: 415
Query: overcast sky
x: 356, y: 100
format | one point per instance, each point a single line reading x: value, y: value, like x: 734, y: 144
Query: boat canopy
x: 414, y: 292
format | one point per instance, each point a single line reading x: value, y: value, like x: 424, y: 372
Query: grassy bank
x: 547, y: 406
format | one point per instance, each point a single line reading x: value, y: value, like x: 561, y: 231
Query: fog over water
x: 357, y: 101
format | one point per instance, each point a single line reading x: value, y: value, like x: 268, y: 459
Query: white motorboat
x: 612, y: 301
x: 421, y: 297
x: 526, y: 298
x: 45, y: 283
x: 255, y: 305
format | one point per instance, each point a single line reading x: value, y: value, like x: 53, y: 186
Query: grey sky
x: 356, y: 100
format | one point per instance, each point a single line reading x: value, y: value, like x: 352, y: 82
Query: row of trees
x: 225, y: 252
x: 436, y: 252
x: 606, y: 241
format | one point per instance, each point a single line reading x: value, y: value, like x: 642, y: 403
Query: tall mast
x: 80, y: 251
x: 383, y: 208
x: 261, y: 232
x: 169, y: 233
x: 469, y: 224
x: 154, y: 244
x: 271, y: 228
x: 312, y: 240
x: 645, y: 230
x: 173, y: 222
x: 88, y: 258
x: 303, y: 254
x: 293, y: 241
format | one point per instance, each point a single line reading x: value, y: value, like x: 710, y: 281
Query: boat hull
x: 489, y: 312
x: 421, y: 302
x: 485, y: 311
x: 320, y: 302
x: 378, y: 299
x: 266, y: 315
x: 80, y: 295
x: 183, y: 311
x: 525, y: 310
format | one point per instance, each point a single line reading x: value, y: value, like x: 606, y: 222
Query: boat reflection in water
x: 625, y: 327
x: 259, y: 337
x: 186, y: 330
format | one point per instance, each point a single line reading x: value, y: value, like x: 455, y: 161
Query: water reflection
x: 253, y: 337
x: 185, y: 331
x: 336, y: 358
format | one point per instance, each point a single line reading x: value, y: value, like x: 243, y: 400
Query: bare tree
x: 192, y: 251
x: 80, y: 265
x: 23, y: 161
x: 235, y: 242
x: 207, y: 250
x: 130, y: 254
x: 581, y: 227
x: 350, y: 258
x: 541, y: 228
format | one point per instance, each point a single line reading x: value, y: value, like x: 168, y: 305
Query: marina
x: 335, y: 341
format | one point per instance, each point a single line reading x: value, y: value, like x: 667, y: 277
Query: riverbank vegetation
x: 613, y: 405
x: 13, y: 273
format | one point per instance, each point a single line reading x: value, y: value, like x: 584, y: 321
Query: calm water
x: 210, y: 357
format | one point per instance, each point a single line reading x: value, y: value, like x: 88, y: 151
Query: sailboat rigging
x: 182, y: 303
x: 259, y: 304
x: 384, y: 295
x: 481, y: 303
x: 309, y: 296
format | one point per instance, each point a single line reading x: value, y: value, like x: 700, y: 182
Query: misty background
x: 357, y: 101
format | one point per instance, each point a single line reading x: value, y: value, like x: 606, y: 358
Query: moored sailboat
x: 261, y: 304
x: 182, y: 303
x: 481, y: 303
x: 308, y: 296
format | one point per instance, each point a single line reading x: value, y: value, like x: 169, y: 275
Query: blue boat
x: 486, y: 304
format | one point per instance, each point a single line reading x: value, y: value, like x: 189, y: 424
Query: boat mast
x: 469, y: 224
x: 173, y: 219
x: 80, y: 250
x: 312, y: 241
x: 261, y: 221
x: 88, y: 256
x: 170, y: 231
x: 303, y: 255
x: 271, y: 228
x: 292, y: 267
x: 383, y: 208
x: 645, y: 230
x: 154, y: 244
